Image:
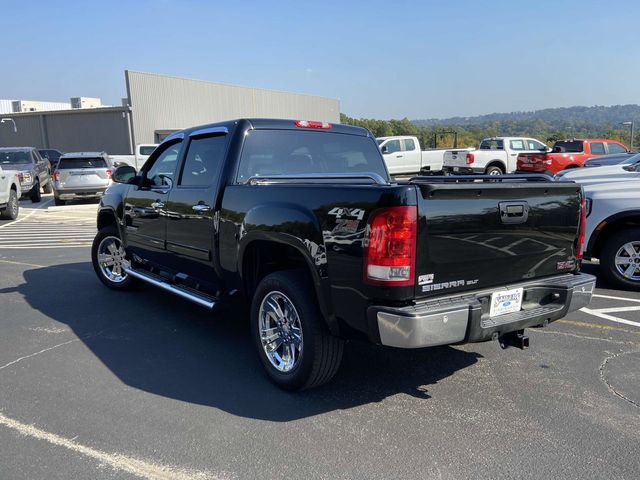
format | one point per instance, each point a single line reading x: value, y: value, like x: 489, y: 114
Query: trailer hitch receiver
x: 514, y: 339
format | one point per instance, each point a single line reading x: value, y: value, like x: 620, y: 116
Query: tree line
x: 433, y: 135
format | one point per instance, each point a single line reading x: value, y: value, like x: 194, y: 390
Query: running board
x: 184, y: 292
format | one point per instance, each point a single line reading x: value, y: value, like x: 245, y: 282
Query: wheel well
x: 262, y: 257
x: 495, y: 163
x: 611, y: 229
x: 572, y: 166
x: 105, y: 219
x: 14, y: 187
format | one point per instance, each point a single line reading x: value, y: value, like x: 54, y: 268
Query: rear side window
x: 597, y: 148
x: 409, y: 144
x: 568, y: 146
x: 517, y: 145
x: 69, y: 163
x: 204, y: 157
x: 290, y: 152
x: 615, y: 148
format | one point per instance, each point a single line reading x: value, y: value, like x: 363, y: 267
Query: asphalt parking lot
x: 100, y: 384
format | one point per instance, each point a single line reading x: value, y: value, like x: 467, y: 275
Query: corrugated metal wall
x: 162, y: 103
x: 5, y: 106
x: 106, y: 129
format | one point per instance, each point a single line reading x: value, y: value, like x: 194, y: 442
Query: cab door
x: 393, y: 155
x: 145, y: 204
x: 192, y: 210
x: 412, y: 156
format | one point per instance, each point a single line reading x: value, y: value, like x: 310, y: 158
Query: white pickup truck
x: 495, y: 156
x: 143, y: 150
x: 403, y: 155
x: 9, y: 194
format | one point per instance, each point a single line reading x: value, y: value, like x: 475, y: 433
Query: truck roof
x: 16, y: 149
x: 84, y: 154
x: 275, y: 124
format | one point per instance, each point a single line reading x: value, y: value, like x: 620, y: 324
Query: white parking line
x: 617, y: 298
x: 609, y: 317
x: 44, y: 204
x: 118, y: 461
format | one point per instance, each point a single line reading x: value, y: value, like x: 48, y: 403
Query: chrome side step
x: 186, y: 293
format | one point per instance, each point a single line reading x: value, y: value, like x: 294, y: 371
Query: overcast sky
x: 382, y: 59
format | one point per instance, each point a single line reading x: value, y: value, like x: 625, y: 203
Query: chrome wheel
x: 13, y: 205
x: 496, y: 171
x: 628, y: 261
x: 280, y: 331
x: 111, y: 259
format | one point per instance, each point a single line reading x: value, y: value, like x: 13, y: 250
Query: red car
x: 568, y: 154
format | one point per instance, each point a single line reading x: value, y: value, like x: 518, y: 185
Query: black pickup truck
x: 301, y: 221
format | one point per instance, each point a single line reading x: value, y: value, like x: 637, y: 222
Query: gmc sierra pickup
x: 301, y: 221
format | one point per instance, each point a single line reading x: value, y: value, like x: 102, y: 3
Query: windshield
x: 568, y: 146
x: 282, y: 152
x: 67, y: 163
x: 15, y: 157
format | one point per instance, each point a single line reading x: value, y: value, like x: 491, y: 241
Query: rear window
x: 568, y: 146
x: 67, y: 163
x: 146, y: 150
x: 491, y: 144
x: 284, y: 152
x: 15, y: 157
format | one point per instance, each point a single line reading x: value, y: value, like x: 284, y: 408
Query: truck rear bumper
x: 465, y: 318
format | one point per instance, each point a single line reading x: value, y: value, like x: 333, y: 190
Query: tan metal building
x: 157, y: 106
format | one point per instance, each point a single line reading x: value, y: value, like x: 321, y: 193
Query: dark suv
x: 34, y: 170
x: 52, y: 155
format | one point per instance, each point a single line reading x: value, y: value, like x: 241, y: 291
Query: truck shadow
x: 158, y: 343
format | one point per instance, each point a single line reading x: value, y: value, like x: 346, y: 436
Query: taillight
x: 312, y: 124
x: 56, y: 176
x: 470, y: 158
x: 581, y: 228
x: 109, y: 172
x: 390, y: 247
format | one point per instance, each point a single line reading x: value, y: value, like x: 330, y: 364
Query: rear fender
x: 291, y: 225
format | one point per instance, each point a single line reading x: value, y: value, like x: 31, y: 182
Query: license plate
x: 506, y: 301
x: 456, y: 169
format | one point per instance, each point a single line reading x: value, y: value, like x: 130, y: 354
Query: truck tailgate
x: 532, y: 162
x: 479, y: 234
x: 455, y: 158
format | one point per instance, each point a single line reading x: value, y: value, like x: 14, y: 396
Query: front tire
x: 620, y: 259
x: 35, y: 193
x: 12, y: 209
x: 290, y: 335
x: 109, y: 259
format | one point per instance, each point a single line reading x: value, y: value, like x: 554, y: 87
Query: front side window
x: 161, y: 173
x: 614, y: 148
x: 393, y: 146
x: 535, y: 145
x: 204, y: 157
x: 409, y: 144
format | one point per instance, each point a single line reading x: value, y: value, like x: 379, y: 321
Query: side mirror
x: 124, y: 174
x: 384, y: 149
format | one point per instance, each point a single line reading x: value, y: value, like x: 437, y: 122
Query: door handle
x: 157, y: 205
x: 399, y: 156
x: 200, y: 208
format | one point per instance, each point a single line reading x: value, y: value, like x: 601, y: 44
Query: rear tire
x: 284, y: 310
x: 108, y: 258
x: 494, y: 170
x: 35, y: 193
x: 619, y: 255
x: 12, y: 209
x: 59, y: 202
x: 48, y: 188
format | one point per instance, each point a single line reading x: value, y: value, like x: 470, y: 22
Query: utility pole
x: 631, y: 139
